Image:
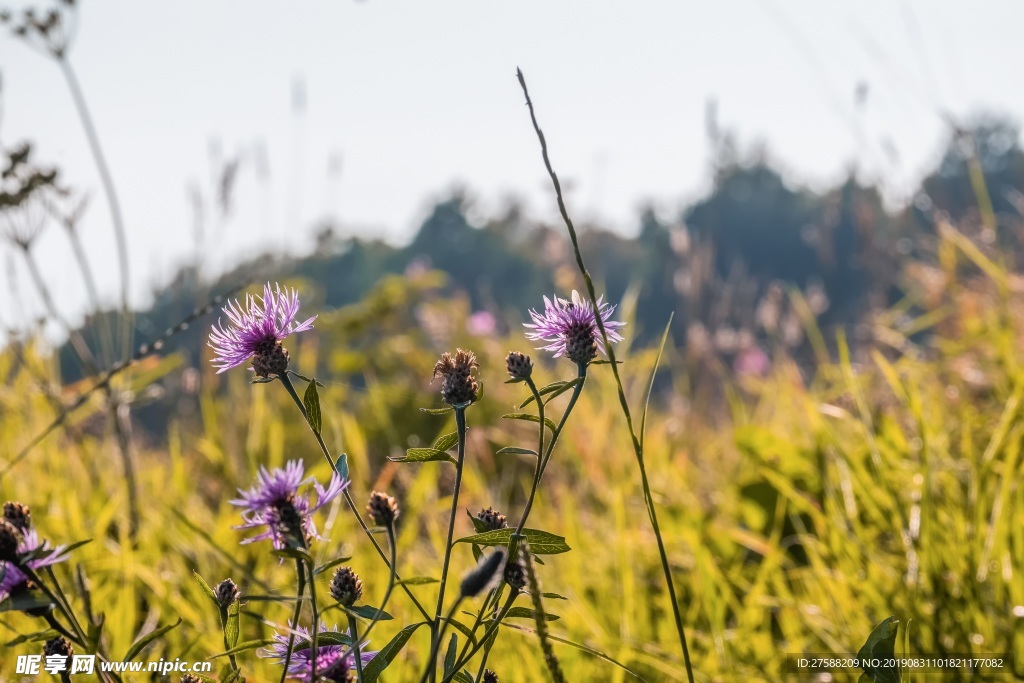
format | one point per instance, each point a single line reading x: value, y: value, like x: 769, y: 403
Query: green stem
x: 301, y: 574
x: 348, y: 495
x: 435, y: 646
x: 355, y: 647
x: 487, y: 634
x: 637, y: 448
x: 224, y: 628
x: 460, y: 427
x: 315, y: 630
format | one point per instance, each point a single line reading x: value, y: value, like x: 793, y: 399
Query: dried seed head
x: 519, y: 365
x: 492, y: 519
x: 58, y: 646
x: 271, y: 358
x: 8, y: 542
x: 191, y: 678
x: 227, y: 593
x: 18, y: 515
x: 484, y: 575
x: 382, y: 508
x: 459, y: 387
x: 346, y: 586
x: 515, y: 575
x: 490, y: 676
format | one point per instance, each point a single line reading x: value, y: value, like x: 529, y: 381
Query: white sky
x: 415, y: 97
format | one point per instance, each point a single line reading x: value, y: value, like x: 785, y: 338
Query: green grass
x: 799, y: 510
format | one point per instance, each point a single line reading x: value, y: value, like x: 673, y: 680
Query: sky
x: 366, y: 112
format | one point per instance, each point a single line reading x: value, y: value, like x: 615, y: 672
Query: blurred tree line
x: 727, y: 265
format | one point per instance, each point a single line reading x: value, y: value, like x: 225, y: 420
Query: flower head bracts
x: 256, y: 330
x: 39, y: 554
x: 274, y: 502
x: 570, y: 327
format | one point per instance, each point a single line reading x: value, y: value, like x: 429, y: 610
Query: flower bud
x: 484, y: 575
x: 382, y: 508
x: 18, y: 515
x: 459, y: 387
x: 227, y: 593
x: 489, y: 676
x: 8, y: 542
x: 519, y: 366
x: 492, y: 519
x: 346, y: 586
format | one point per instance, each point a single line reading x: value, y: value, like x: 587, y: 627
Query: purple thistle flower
x: 570, y: 327
x: 333, y: 662
x: 12, y: 578
x: 256, y: 330
x: 274, y: 502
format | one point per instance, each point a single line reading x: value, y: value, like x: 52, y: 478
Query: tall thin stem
x: 637, y: 448
x: 348, y: 495
x: 300, y: 572
x: 487, y: 634
x: 460, y: 428
x: 352, y: 624
x: 315, y: 630
x: 105, y: 177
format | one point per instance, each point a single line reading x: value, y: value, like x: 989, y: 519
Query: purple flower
x: 333, y: 661
x: 13, y: 578
x: 570, y: 327
x: 256, y: 329
x: 274, y: 502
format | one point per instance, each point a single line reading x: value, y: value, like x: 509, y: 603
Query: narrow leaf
x: 524, y: 613
x: 449, y: 658
x: 145, y: 640
x: 650, y: 384
x: 423, y: 455
x: 515, y: 450
x: 242, y: 647
x: 341, y: 466
x: 416, y: 581
x: 446, y: 442
x: 369, y: 612
x: 205, y: 586
x: 552, y: 391
x: 437, y: 411
x: 311, y: 399
x: 327, y: 566
x: 231, y: 628
x: 376, y: 666
x: 530, y: 418
x: 36, y: 637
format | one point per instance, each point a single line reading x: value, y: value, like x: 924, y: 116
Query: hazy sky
x: 406, y: 99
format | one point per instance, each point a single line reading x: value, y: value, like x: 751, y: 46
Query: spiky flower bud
x: 515, y: 575
x: 271, y: 358
x: 490, y: 676
x: 519, y: 365
x: 459, y: 387
x: 484, y: 575
x: 346, y: 586
x: 58, y: 646
x: 18, y: 515
x: 382, y: 508
x: 8, y: 541
x: 492, y: 519
x: 227, y: 593
x: 191, y: 678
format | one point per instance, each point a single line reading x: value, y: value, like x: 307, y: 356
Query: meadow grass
x: 798, y: 511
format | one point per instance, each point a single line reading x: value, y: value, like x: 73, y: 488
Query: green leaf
x: 530, y: 418
x: 23, y: 602
x: 881, y: 644
x: 446, y: 442
x: 650, y: 384
x: 525, y: 613
x: 330, y: 565
x: 262, y: 380
x: 605, y: 362
x: 243, y: 647
x: 231, y: 628
x: 552, y: 391
x: 369, y: 612
x: 465, y: 630
x: 272, y: 598
x: 205, y: 586
x: 541, y: 542
x: 140, y: 644
x: 311, y: 399
x: 437, y: 411
x: 423, y: 455
x: 554, y: 596
x: 376, y: 666
x: 463, y: 677
x: 36, y: 637
x: 453, y: 651
x: 293, y: 553
x: 416, y: 581
x: 478, y: 524
x: 333, y: 638
x: 579, y: 646
x: 341, y: 466
x: 515, y: 450
x: 306, y: 379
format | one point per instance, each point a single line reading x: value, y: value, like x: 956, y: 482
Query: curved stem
x: 301, y: 573
x: 348, y: 494
x: 460, y: 427
x: 637, y: 447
